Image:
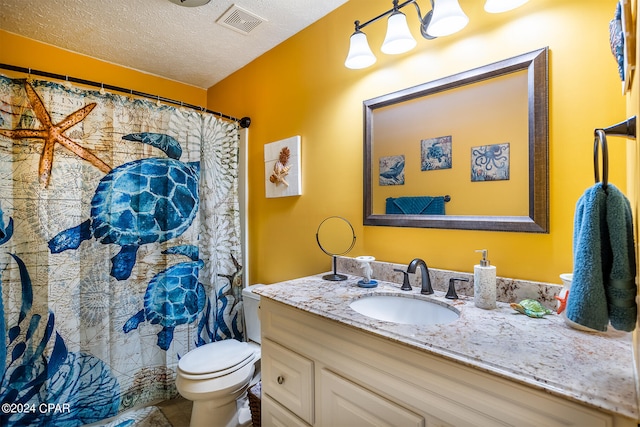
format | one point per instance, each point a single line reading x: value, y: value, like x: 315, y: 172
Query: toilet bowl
x: 216, y: 375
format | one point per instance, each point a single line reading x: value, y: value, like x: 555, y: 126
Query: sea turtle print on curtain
x: 174, y: 297
x: 144, y: 201
x: 119, y: 247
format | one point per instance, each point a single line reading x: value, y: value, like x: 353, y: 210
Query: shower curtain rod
x: 244, y: 122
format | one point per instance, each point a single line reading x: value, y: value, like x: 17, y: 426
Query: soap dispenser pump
x: 484, y: 283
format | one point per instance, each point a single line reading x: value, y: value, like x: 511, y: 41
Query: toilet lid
x: 216, y: 357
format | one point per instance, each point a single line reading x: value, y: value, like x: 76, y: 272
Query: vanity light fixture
x: 446, y: 17
x: 360, y: 55
x: 398, y: 38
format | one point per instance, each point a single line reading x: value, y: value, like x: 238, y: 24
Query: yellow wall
x: 28, y: 53
x: 301, y: 87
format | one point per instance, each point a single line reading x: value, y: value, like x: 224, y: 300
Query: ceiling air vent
x: 240, y: 20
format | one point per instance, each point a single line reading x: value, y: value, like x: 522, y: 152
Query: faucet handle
x: 406, y: 286
x: 451, y: 292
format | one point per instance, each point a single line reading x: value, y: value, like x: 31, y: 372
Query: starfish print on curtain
x: 54, y: 133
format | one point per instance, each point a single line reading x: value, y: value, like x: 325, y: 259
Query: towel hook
x: 600, y: 139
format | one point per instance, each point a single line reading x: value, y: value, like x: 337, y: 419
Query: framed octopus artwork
x: 282, y: 168
x: 490, y: 162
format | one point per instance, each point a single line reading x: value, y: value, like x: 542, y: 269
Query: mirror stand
x: 338, y: 238
x: 335, y: 277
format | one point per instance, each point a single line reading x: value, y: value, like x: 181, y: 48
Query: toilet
x: 216, y: 376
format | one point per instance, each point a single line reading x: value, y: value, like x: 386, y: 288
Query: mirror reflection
x: 468, y: 151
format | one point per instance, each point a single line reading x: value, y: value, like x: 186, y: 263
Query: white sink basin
x: 401, y: 309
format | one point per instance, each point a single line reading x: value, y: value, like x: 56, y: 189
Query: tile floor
x: 177, y: 411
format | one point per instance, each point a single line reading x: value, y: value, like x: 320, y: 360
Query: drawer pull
x: 280, y: 379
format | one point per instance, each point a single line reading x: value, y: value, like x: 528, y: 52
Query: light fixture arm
x: 424, y: 23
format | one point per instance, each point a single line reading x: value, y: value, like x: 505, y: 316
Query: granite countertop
x: 595, y: 369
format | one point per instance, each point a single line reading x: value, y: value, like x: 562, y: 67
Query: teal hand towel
x: 603, y: 288
x: 621, y: 288
x: 587, y: 302
x: 418, y: 205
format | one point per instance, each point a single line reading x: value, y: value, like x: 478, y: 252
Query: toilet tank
x: 251, y: 302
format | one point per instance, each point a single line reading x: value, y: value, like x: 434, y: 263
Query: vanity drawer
x: 275, y: 415
x: 287, y: 377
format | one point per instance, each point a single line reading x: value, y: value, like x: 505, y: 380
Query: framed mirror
x: 468, y: 151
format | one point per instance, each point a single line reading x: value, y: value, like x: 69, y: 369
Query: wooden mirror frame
x: 538, y: 139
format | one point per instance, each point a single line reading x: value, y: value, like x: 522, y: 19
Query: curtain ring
x: 600, y: 138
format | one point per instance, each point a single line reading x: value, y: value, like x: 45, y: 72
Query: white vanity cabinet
x: 344, y: 403
x: 319, y: 372
x: 289, y: 378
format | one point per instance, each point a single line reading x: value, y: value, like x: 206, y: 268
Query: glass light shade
x: 360, y: 54
x: 398, y: 38
x: 497, y: 6
x: 448, y: 18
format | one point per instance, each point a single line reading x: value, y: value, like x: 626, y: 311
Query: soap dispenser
x: 484, y: 283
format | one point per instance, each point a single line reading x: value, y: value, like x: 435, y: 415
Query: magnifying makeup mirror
x: 335, y: 236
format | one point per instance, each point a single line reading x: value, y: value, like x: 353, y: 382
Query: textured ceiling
x: 159, y: 37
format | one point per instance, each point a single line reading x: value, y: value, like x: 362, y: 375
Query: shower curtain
x: 119, y: 249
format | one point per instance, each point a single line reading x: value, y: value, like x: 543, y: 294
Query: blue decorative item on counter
x: 370, y: 284
x: 365, y: 264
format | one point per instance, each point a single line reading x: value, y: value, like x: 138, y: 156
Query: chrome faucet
x: 426, y: 281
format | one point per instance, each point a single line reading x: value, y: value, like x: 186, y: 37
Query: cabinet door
x: 274, y: 415
x: 344, y: 403
x: 288, y: 378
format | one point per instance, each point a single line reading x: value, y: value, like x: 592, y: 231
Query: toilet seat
x: 216, y: 359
